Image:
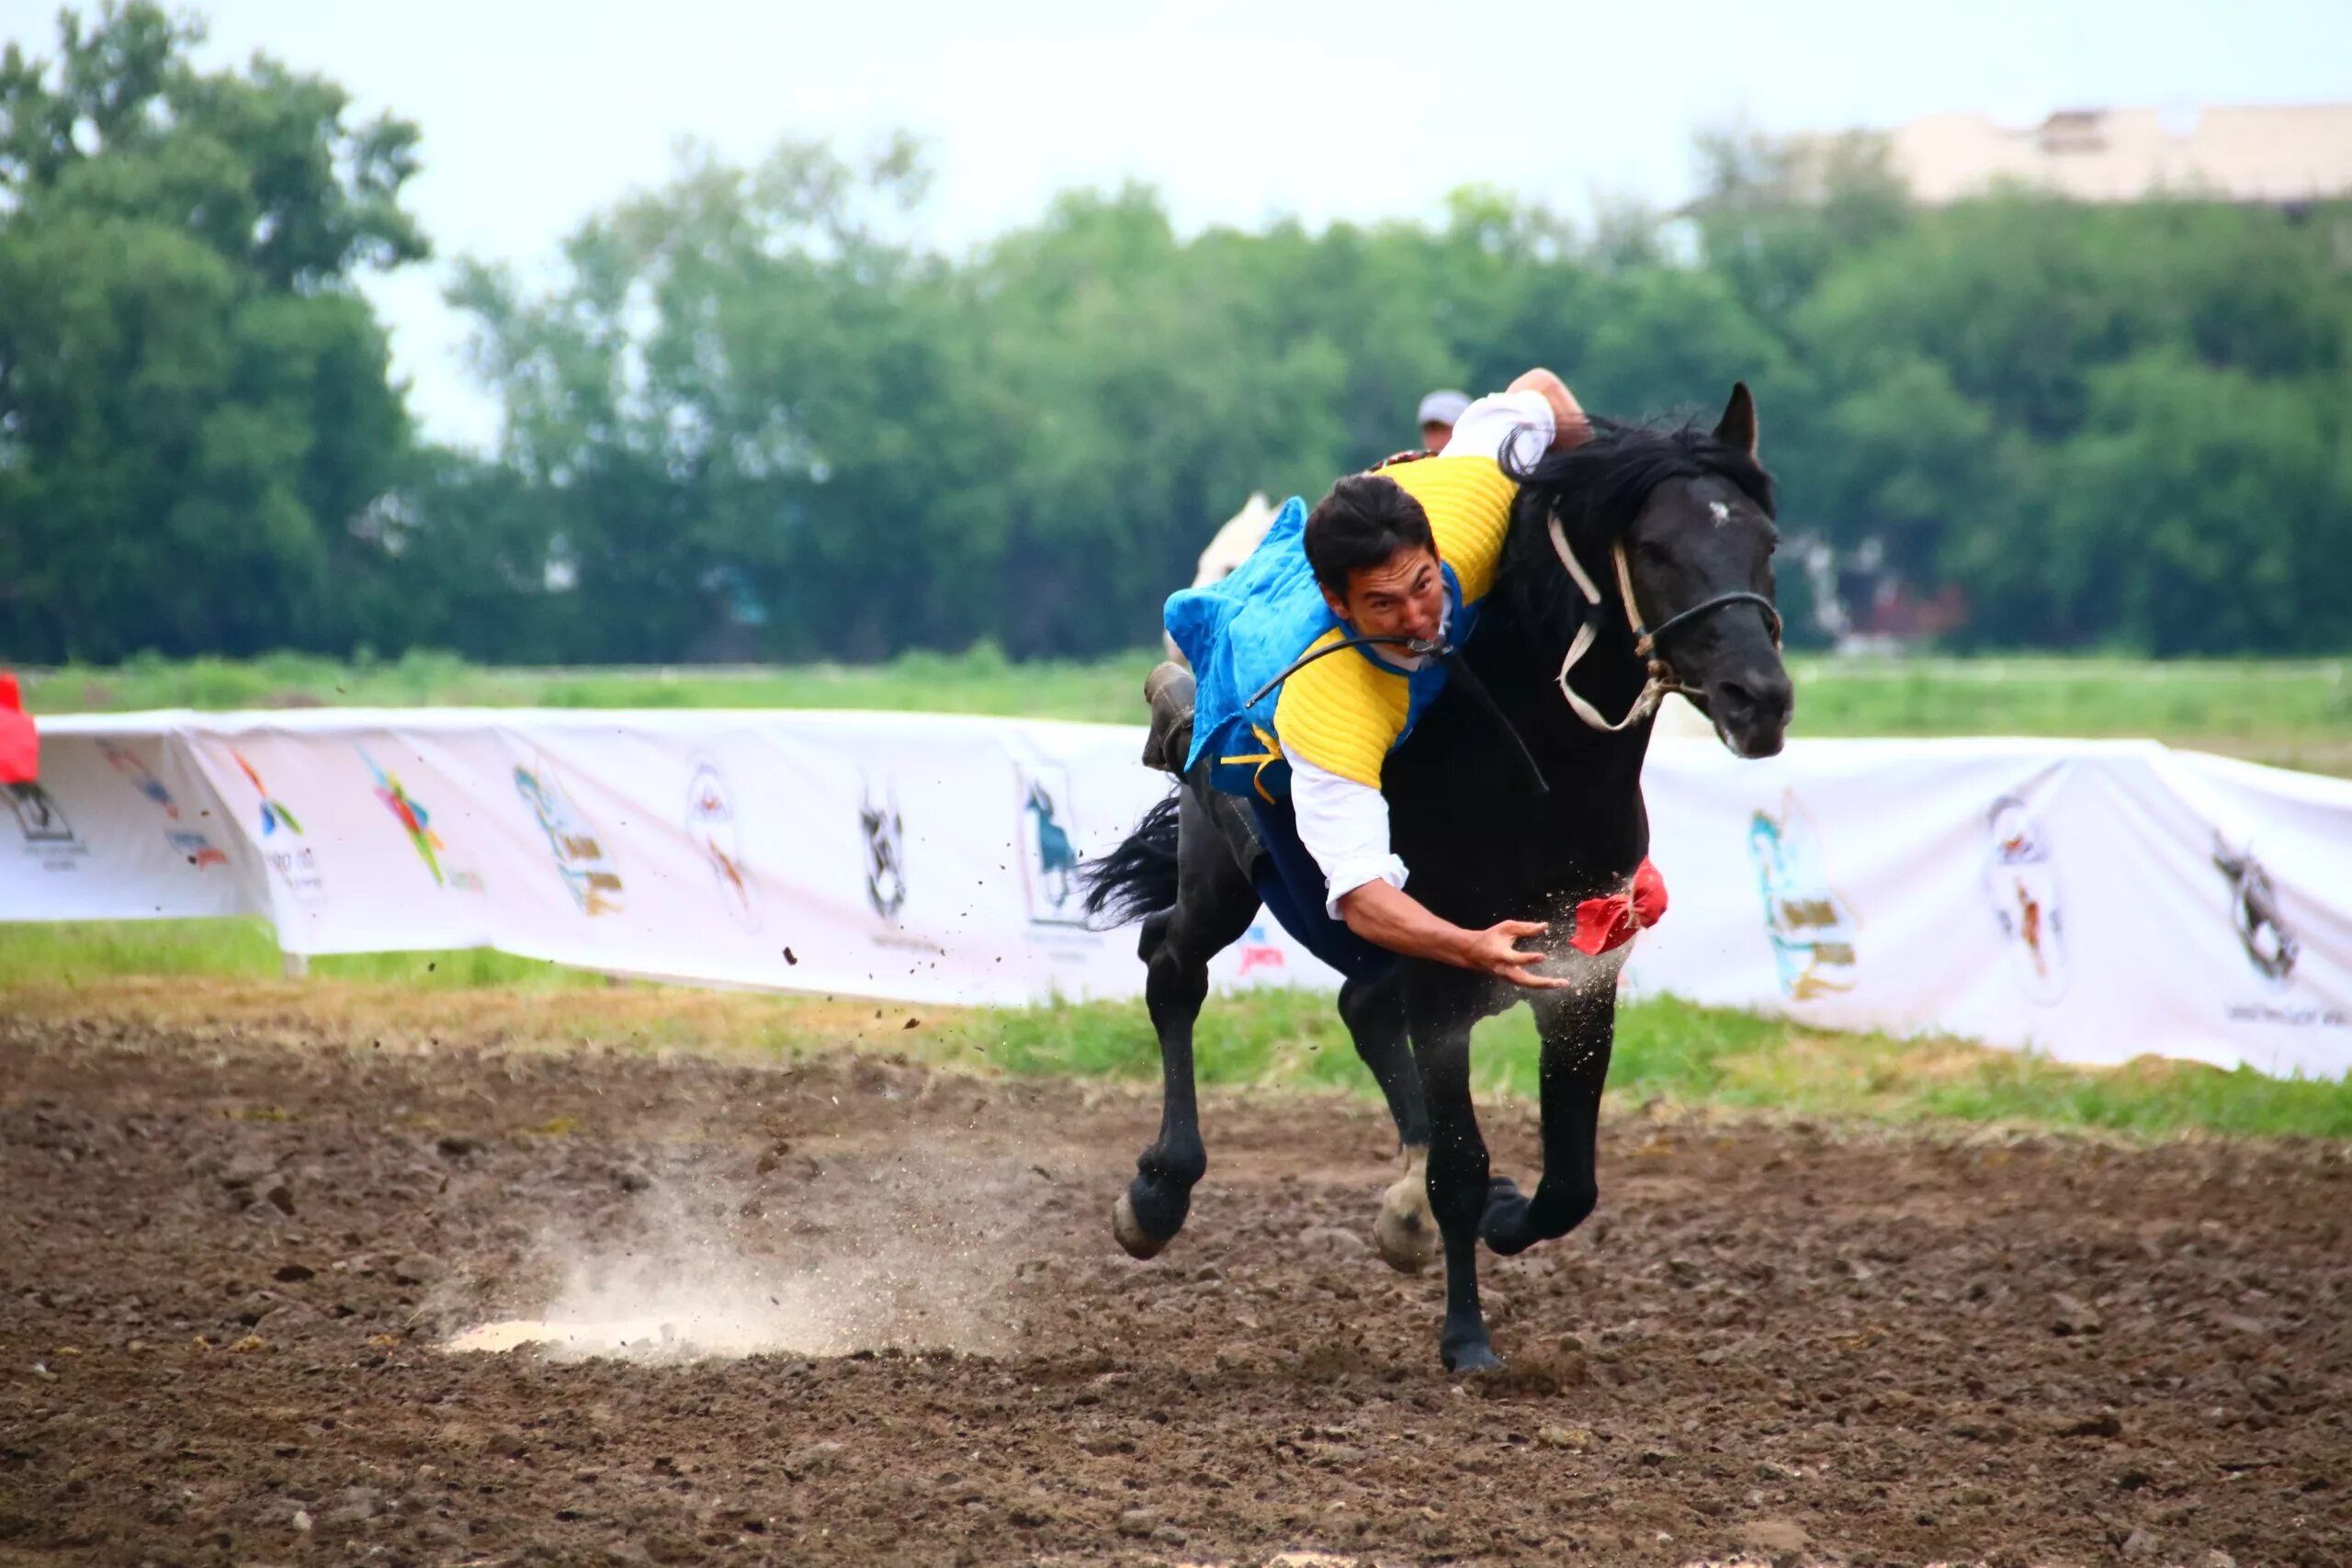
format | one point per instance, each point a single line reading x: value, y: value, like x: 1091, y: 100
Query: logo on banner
x: 48, y: 836
x: 1048, y: 854
x: 588, y: 872
x: 1258, y: 951
x: 417, y: 823
x: 2269, y: 942
x: 2021, y: 886
x: 192, y: 846
x: 1811, y: 928
x: 297, y: 865
x: 274, y: 816
x: 712, y: 828
x: 886, y: 851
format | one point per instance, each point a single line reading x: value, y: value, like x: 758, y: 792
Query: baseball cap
x: 1443, y: 408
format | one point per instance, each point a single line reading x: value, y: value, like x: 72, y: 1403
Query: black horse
x: 1677, y: 522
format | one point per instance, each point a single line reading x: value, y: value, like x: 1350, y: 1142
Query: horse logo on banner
x: 2021, y: 886
x: 713, y: 830
x: 2269, y: 942
x: 1048, y: 853
x: 588, y: 872
x: 1811, y: 928
x: 885, y: 852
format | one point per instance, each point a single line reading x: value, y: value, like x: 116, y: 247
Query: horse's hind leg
x: 1215, y: 904
x: 1374, y: 1011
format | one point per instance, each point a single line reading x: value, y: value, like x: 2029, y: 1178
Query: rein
x: 1662, y: 678
x: 1456, y: 667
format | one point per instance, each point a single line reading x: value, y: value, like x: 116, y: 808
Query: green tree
x: 2203, y: 511
x: 195, y: 410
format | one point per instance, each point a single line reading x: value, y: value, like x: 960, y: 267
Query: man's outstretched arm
x: 1391, y: 917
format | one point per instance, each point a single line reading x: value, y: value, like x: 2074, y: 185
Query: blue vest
x: 1243, y: 631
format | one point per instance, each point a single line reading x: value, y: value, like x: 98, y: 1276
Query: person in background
x: 1438, y: 411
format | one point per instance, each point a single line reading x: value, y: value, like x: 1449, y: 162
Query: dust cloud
x: 910, y: 1255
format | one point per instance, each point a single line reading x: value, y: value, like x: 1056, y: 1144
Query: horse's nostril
x: 1756, y: 697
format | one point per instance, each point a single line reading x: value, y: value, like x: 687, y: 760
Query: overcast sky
x: 536, y: 113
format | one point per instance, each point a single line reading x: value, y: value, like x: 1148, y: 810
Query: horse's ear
x: 1737, y: 427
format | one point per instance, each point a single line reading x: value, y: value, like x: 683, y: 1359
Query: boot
x: 1168, y: 690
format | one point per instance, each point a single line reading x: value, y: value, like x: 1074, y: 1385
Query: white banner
x: 2093, y: 900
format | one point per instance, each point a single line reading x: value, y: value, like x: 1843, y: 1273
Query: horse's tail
x: 1138, y: 878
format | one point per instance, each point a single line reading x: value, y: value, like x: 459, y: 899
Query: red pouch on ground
x: 20, y: 745
x: 1604, y: 923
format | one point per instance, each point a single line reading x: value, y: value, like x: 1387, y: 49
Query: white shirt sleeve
x: 1344, y: 825
x: 1518, y: 422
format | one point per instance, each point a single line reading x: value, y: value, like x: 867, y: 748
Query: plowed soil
x: 229, y: 1265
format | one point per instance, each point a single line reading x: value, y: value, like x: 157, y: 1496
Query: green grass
x: 2292, y: 714
x: 86, y: 953
x: 2289, y: 714
x: 1666, y: 1049
x: 980, y: 680
x: 1695, y: 1055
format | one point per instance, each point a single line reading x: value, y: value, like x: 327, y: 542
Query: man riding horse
x: 1604, y: 571
x: 1282, y: 713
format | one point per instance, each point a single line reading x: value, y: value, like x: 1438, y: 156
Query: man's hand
x: 1387, y: 918
x: 1495, y: 950
x: 1569, y: 426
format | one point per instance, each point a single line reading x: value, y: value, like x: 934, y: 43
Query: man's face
x: 1435, y: 436
x: 1403, y: 596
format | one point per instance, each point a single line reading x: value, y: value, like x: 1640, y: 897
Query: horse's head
x: 1682, y: 521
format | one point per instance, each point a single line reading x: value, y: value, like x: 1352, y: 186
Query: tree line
x: 755, y: 415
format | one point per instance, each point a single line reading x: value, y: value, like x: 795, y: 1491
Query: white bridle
x: 1661, y: 678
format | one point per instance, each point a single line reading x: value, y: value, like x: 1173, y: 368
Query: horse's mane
x: 1597, y: 489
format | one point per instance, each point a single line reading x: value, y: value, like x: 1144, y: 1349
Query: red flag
x: 19, y: 746
x: 1604, y: 923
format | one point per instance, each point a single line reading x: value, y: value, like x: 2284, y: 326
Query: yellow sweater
x: 1344, y: 714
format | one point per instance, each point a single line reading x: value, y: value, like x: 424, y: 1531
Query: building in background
x: 2281, y: 155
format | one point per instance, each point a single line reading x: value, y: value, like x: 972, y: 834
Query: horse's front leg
x: 1215, y: 904
x: 1441, y: 1009
x: 1374, y: 1011
x: 1577, y: 1027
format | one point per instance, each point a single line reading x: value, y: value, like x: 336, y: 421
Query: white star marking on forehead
x: 1722, y: 511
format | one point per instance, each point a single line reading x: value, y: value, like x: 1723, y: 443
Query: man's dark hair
x: 1366, y: 519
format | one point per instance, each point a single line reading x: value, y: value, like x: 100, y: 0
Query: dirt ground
x: 230, y: 1262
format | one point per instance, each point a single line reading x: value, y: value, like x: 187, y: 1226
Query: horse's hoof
x: 1405, y: 1233
x: 1503, y: 1225
x: 1477, y: 1357
x: 1139, y: 1243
